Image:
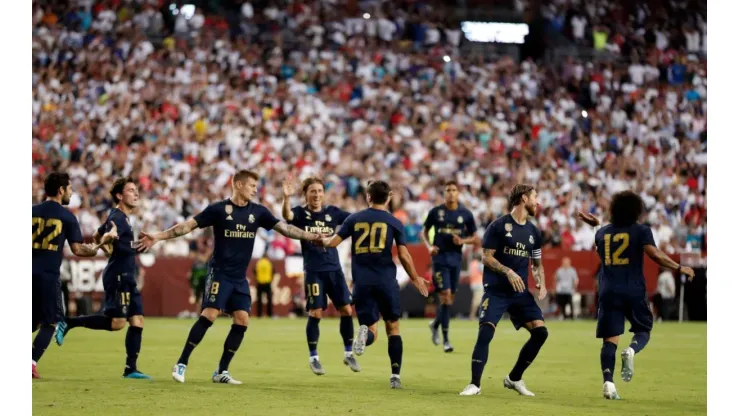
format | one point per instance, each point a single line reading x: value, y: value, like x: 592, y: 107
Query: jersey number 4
x: 377, y: 245
x: 39, y: 225
x: 616, y: 259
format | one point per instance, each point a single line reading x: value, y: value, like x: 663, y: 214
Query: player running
x: 454, y: 225
x: 508, y: 245
x: 235, y: 222
x: 53, y: 224
x: 122, y: 298
x: 376, y: 292
x: 622, y: 245
x: 323, y: 272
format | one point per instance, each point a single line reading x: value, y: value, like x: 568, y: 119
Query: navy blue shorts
x: 122, y: 297
x: 521, y: 308
x: 613, y: 310
x: 377, y: 300
x: 47, y: 301
x: 227, y: 294
x: 319, y: 285
x: 446, y: 277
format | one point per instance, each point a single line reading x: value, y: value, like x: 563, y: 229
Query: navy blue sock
x: 531, y: 348
x: 197, y: 332
x: 395, y: 353
x: 608, y: 358
x: 41, y: 342
x: 133, y: 346
x: 445, y: 320
x: 639, y: 341
x: 480, y: 352
x: 370, y: 338
x: 438, y: 316
x: 231, y: 345
x: 347, y: 330
x: 312, y: 335
x: 97, y: 322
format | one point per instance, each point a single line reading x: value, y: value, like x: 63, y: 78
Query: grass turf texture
x: 83, y: 377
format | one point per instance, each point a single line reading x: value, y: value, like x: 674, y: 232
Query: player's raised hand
x: 433, y: 250
x: 588, y: 218
x: 145, y: 242
x: 420, y: 285
x: 516, y: 282
x: 288, y: 187
x: 457, y: 240
x: 111, y: 235
x: 688, y: 272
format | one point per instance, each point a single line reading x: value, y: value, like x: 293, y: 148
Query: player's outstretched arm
x: 588, y: 218
x: 408, y: 264
x: 91, y: 250
x: 493, y: 264
x: 295, y: 233
x: 331, y: 242
x: 147, y: 240
x: 662, y: 259
x: 473, y: 239
x: 287, y: 192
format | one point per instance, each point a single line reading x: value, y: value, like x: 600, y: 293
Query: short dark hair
x: 310, y: 181
x: 378, y: 191
x: 243, y: 174
x: 118, y: 186
x: 452, y: 182
x: 517, y: 192
x: 54, y: 181
x: 625, y: 209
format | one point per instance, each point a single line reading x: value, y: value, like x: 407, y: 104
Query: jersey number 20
x: 40, y: 224
x: 616, y: 259
x: 377, y: 245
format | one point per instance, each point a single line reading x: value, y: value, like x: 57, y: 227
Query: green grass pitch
x: 83, y: 377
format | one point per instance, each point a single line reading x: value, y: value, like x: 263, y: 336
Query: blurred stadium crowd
x: 180, y: 100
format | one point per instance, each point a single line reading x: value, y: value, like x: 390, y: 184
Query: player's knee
x: 210, y: 313
x: 241, y: 318
x: 485, y: 332
x: 345, y: 310
x: 445, y: 296
x: 539, y: 334
x: 117, y: 324
x: 393, y: 328
x: 137, y: 320
x: 315, y: 313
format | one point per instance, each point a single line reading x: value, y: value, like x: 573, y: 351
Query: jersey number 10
x: 377, y: 245
x: 40, y: 224
x: 616, y: 259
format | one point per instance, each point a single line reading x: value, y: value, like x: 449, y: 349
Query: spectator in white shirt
x: 566, y: 284
x: 663, y: 300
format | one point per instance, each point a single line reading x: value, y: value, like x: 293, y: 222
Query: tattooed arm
x: 146, y: 240
x: 489, y: 261
x: 294, y: 232
x: 538, y: 271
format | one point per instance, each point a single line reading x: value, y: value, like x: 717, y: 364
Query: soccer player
x: 235, y: 222
x: 622, y: 245
x: 454, y: 226
x: 376, y: 292
x: 122, y: 298
x: 52, y: 225
x: 508, y: 245
x: 323, y: 272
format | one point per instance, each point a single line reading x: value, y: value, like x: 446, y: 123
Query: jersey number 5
x: 40, y: 224
x: 377, y: 245
x: 616, y: 259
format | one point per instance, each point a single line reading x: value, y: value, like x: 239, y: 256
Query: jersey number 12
x: 616, y: 259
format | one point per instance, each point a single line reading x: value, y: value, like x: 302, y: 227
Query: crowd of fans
x: 308, y: 88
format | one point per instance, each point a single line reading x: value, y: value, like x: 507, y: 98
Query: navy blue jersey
x: 621, y: 251
x: 448, y: 223
x: 123, y: 259
x: 234, y: 231
x: 326, y: 221
x: 373, y: 232
x: 52, y: 225
x: 515, y: 244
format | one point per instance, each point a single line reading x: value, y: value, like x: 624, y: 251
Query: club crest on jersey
x: 508, y: 227
x: 459, y: 220
x: 229, y: 209
x: 308, y: 215
x: 441, y: 214
x: 328, y: 218
x: 531, y: 240
x: 251, y: 219
x: 213, y: 298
